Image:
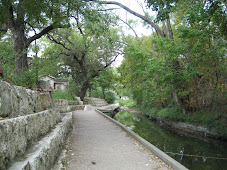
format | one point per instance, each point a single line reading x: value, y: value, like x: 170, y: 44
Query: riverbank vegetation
x: 178, y: 72
x: 181, y: 78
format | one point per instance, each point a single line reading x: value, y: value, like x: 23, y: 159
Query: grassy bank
x: 203, y: 118
x: 214, y: 121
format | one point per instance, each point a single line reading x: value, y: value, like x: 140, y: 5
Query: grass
x: 64, y: 162
x: 62, y: 95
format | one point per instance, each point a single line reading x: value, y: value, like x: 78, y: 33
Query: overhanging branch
x: 157, y: 29
x: 57, y: 42
x: 37, y: 36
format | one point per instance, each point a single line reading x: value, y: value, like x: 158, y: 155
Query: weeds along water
x: 194, y: 153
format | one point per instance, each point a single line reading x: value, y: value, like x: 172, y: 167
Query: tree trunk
x: 83, y: 90
x: 164, y: 27
x: 20, y: 48
x: 103, y: 93
x: 169, y: 28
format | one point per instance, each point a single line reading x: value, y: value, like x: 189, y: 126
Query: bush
x: 127, y: 103
x: 110, y: 97
x: 26, y: 79
x: 97, y: 92
x: 63, y: 95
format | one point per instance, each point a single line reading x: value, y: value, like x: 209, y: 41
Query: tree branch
x: 57, y: 42
x: 82, y: 33
x: 157, y: 29
x: 31, y: 27
x: 131, y: 29
x: 109, y: 9
x: 37, y: 36
x: 169, y: 28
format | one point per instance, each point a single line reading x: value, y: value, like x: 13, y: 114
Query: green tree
x: 200, y: 19
x: 7, y: 58
x: 106, y: 80
x: 23, y: 16
x: 88, y: 48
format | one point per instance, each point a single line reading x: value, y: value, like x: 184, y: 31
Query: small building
x: 61, y: 84
x: 50, y: 83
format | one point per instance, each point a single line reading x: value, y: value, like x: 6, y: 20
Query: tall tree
x: 39, y: 16
x: 89, y: 47
x: 198, y: 46
x: 200, y: 13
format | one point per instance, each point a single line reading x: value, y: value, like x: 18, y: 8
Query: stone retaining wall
x: 63, y: 102
x: 16, y: 100
x: 95, y: 101
x: 45, y: 153
x: 60, y: 102
x: 17, y: 134
x: 64, y: 109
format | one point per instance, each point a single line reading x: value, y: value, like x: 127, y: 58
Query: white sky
x: 124, y: 15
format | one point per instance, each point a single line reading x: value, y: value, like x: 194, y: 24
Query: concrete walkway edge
x: 163, y: 156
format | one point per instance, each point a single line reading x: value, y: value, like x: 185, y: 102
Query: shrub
x: 127, y: 103
x: 110, y: 97
x: 26, y: 79
x: 63, y: 95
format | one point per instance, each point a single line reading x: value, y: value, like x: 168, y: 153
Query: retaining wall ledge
x: 43, y: 155
x: 16, y: 134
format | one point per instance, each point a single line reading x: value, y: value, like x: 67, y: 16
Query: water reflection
x: 191, y: 152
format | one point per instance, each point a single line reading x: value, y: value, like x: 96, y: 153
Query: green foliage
x: 127, y: 103
x: 163, y: 7
x: 203, y: 118
x: 64, y: 162
x: 63, y: 95
x: 145, y: 74
x: 96, y: 92
x: 193, y: 65
x: 27, y: 79
x: 110, y: 97
x: 7, y: 58
x: 50, y: 63
x: 85, y: 53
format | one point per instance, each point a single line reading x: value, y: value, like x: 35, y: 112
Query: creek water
x: 194, y: 153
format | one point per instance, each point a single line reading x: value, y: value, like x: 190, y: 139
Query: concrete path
x: 99, y: 144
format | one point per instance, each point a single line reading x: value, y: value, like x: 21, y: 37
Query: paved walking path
x: 99, y: 144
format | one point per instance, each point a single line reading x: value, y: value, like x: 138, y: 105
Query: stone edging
x: 44, y: 154
x: 163, y: 156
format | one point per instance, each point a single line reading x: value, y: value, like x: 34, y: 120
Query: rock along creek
x: 194, y: 153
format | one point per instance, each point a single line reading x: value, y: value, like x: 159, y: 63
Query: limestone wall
x: 94, y: 101
x: 64, y: 109
x: 63, y: 102
x: 34, y: 128
x: 16, y: 100
x: 18, y: 133
x: 60, y: 102
x: 46, y: 151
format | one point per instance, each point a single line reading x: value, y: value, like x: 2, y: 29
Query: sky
x: 124, y: 15
x: 134, y: 5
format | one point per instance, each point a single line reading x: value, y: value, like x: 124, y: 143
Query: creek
x: 195, y: 153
